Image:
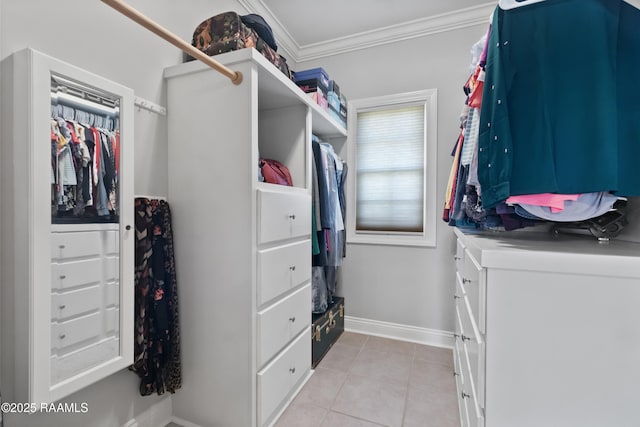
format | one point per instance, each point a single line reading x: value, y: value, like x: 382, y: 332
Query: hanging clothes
x: 329, y: 212
x: 157, y: 330
x: 560, y: 108
x: 84, y: 166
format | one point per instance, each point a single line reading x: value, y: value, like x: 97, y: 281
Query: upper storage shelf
x: 274, y: 89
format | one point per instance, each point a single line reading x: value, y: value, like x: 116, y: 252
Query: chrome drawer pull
x: 62, y: 336
x: 292, y: 268
x: 464, y: 338
x: 292, y: 319
x: 62, y: 306
x: 456, y: 297
x: 292, y: 216
x: 62, y: 276
x: 455, y: 374
x: 456, y: 336
x: 457, y: 258
x: 292, y: 370
x: 465, y: 395
x: 465, y: 280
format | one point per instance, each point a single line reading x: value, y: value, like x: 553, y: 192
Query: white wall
x: 91, y: 35
x: 413, y: 286
x: 407, y: 285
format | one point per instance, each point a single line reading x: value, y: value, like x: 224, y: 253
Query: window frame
x: 427, y: 98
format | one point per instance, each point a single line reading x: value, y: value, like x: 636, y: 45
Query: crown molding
x: 286, y: 43
x: 462, y: 18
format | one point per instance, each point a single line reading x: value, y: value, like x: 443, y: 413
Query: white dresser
x: 547, y: 330
x: 67, y: 281
x: 243, y: 246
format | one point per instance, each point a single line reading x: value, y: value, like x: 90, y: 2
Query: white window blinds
x: 390, y: 169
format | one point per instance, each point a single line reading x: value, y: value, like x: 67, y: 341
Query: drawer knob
x: 465, y: 338
x: 456, y: 297
x: 62, y: 306
x: 456, y: 258
x: 465, y: 280
x: 292, y: 370
x: 465, y: 395
x: 128, y: 227
x: 62, y: 276
x: 62, y: 336
x: 61, y: 246
x: 292, y: 216
x: 292, y: 319
x: 292, y: 268
x: 456, y: 336
x: 455, y: 374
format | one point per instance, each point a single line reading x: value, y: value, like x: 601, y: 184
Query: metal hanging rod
x: 63, y: 85
x: 133, y: 14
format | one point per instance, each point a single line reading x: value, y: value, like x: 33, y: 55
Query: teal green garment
x: 315, y: 247
x: 558, y: 112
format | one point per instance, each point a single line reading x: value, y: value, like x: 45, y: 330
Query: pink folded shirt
x: 553, y: 201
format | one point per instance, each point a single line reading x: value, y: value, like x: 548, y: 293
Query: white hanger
x: 512, y: 4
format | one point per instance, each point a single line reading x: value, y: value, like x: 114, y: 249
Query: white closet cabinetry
x: 547, y: 330
x: 244, y: 248
x: 67, y: 285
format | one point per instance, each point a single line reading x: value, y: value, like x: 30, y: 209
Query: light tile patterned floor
x: 366, y: 381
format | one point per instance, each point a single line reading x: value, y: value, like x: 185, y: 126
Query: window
x: 392, y: 147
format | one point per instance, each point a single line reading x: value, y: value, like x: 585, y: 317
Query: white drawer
x: 111, y: 321
x: 77, y: 362
x: 474, y: 410
x: 282, y: 268
x: 111, y: 268
x: 111, y: 242
x: 283, y: 215
x: 112, y: 294
x: 472, y: 357
x: 458, y: 347
x: 277, y: 380
x: 472, y: 277
x: 76, y: 273
x: 77, y: 244
x: 459, y: 255
x: 75, y: 302
x: 279, y: 323
x: 65, y: 334
x: 463, y: 400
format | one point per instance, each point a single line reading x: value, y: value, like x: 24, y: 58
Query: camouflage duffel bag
x: 227, y: 31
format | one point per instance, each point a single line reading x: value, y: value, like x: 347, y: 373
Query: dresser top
x: 563, y: 253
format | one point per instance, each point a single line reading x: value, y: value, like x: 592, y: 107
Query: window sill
x: 392, y: 240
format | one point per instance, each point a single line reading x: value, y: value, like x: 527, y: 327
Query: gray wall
x: 407, y: 285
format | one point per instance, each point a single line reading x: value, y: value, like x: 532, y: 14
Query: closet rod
x: 133, y: 14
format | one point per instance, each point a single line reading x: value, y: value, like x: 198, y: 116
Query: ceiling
x: 307, y: 29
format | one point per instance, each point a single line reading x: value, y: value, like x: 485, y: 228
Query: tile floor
x: 366, y: 381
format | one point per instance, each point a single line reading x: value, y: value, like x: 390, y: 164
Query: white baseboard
x: 396, y: 331
x: 183, y: 423
x: 158, y: 415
